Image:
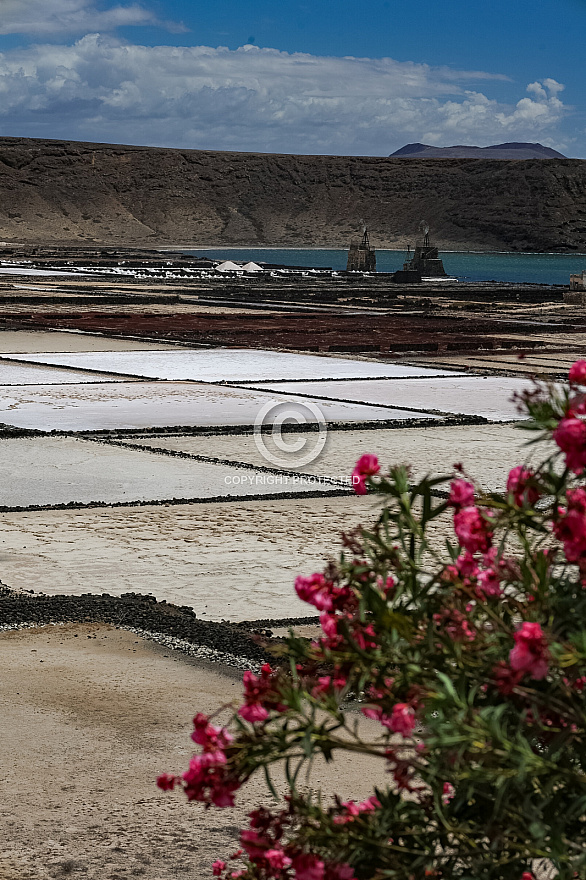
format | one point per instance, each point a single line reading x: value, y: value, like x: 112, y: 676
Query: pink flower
x: 339, y: 872
x: 530, y: 654
x: 455, y: 625
x: 167, y: 782
x: 260, y: 695
x: 326, y: 684
x: 315, y: 590
x: 467, y: 566
x: 464, y: 568
x: 577, y: 499
x: 369, y: 805
x: 461, y: 494
x: 489, y: 584
x: 277, y: 859
x: 206, y: 780
x: 364, y: 636
x: 203, y: 730
x: 403, y: 773
x: 308, y: 867
x: 210, y: 737
x: 387, y: 586
x: 448, y: 792
x: 570, y: 436
x: 218, y: 867
x: 223, y: 798
x: 366, y: 466
x: 571, y: 531
x: 374, y: 713
x: 577, y: 404
x: 254, y: 843
x: 519, y: 486
x: 329, y: 624
x: 472, y: 530
x: 379, y: 693
x: 352, y: 809
x: 505, y: 679
x: 577, y: 374
x: 570, y: 527
x: 402, y: 719
x: 323, y: 686
x: 254, y: 713
x: 324, y: 595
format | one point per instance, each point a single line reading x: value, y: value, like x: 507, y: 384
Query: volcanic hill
x: 70, y: 192
x: 495, y: 151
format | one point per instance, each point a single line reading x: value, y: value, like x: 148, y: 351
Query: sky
x: 335, y: 77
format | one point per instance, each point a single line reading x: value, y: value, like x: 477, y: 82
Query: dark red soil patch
x: 307, y: 331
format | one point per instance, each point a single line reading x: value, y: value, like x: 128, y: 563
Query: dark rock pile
x: 176, y: 625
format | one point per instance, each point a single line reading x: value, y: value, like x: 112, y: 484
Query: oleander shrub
x: 469, y: 655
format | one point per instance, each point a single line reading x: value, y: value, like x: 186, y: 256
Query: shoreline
x: 179, y: 247
x: 344, y: 249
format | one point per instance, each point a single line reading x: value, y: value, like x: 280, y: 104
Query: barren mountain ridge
x: 68, y: 192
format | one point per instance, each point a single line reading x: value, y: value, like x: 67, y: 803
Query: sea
x: 464, y: 265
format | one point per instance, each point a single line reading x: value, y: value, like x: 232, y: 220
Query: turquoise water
x: 467, y: 266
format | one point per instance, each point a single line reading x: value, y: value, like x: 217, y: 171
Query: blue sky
x: 327, y: 76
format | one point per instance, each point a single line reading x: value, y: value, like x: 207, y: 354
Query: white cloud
x: 44, y: 17
x: 543, y: 109
x: 479, y: 117
x: 253, y: 99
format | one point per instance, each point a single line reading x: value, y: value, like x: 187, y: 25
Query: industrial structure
x: 576, y: 295
x: 361, y: 256
x: 426, y: 260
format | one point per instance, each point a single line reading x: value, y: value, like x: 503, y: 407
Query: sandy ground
x: 488, y: 452
x: 228, y: 560
x: 90, y: 716
x: 63, y: 470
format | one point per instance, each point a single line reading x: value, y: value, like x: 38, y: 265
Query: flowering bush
x: 472, y: 662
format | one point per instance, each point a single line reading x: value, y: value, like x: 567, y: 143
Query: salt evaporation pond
x: 234, y: 560
x: 43, y: 341
x: 489, y: 397
x: 134, y: 405
x: 28, y: 374
x: 53, y: 471
x: 487, y: 452
x: 23, y: 270
x: 231, y: 365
